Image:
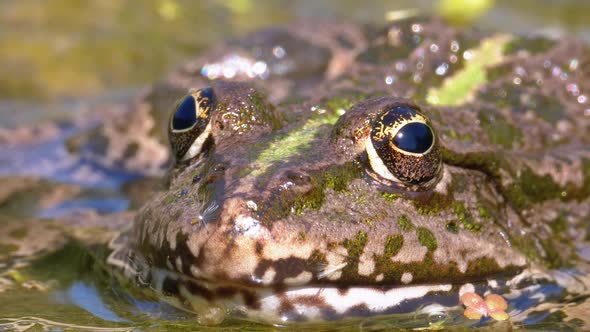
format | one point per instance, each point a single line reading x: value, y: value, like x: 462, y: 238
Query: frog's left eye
x: 403, y: 147
x: 190, y: 124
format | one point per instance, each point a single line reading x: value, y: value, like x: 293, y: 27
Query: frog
x: 327, y: 171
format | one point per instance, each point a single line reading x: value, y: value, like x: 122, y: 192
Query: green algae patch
x: 393, y: 244
x: 291, y: 144
x: 355, y: 248
x: 390, y: 197
x: 383, y: 263
x: 404, y: 222
x: 484, y: 212
x: 426, y: 238
x: 530, y: 188
x: 7, y: 249
x: 499, y: 130
x: 335, y: 178
x: 19, y: 233
x: 433, y: 204
x: 466, y: 218
x: 282, y: 202
x: 464, y: 83
x: 169, y: 199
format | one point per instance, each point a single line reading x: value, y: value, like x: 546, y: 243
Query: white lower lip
x: 373, y: 299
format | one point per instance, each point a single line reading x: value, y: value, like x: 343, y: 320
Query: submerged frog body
x: 359, y: 171
x: 377, y: 189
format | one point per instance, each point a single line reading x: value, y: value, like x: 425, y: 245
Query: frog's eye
x: 403, y: 147
x: 189, y: 125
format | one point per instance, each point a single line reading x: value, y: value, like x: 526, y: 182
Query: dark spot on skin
x: 131, y: 150
x: 251, y: 299
x: 359, y: 310
x: 284, y: 267
x: 343, y: 290
x: 165, y: 254
x: 259, y: 248
x: 170, y: 287
x: 452, y: 227
x: 198, y: 290
x: 285, y: 307
x: 225, y: 292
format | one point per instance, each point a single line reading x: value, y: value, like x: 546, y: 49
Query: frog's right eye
x: 403, y: 148
x: 190, y: 124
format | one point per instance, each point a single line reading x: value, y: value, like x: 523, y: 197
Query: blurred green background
x: 50, y: 50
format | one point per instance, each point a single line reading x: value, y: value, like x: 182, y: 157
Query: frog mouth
x: 279, y: 305
x: 296, y: 303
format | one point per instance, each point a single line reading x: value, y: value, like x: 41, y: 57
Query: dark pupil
x: 185, y: 115
x: 415, y: 137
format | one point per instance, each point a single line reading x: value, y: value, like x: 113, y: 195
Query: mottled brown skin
x: 302, y: 225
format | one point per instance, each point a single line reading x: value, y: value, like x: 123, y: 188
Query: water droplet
x: 442, y: 69
x: 229, y: 71
x: 573, y: 89
x: 417, y: 78
x: 547, y: 64
x: 252, y: 205
x: 389, y: 80
x: 433, y: 48
x: 517, y: 80
x: 211, y: 71
x: 582, y: 99
x: 420, y: 65
x: 416, y: 39
x: 467, y: 55
x: 259, y: 68
x: 279, y: 52
x: 400, y: 66
x: 416, y: 28
x: 455, y: 46
x: 453, y: 58
x: 555, y: 71
x: 573, y: 64
x: 520, y: 71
